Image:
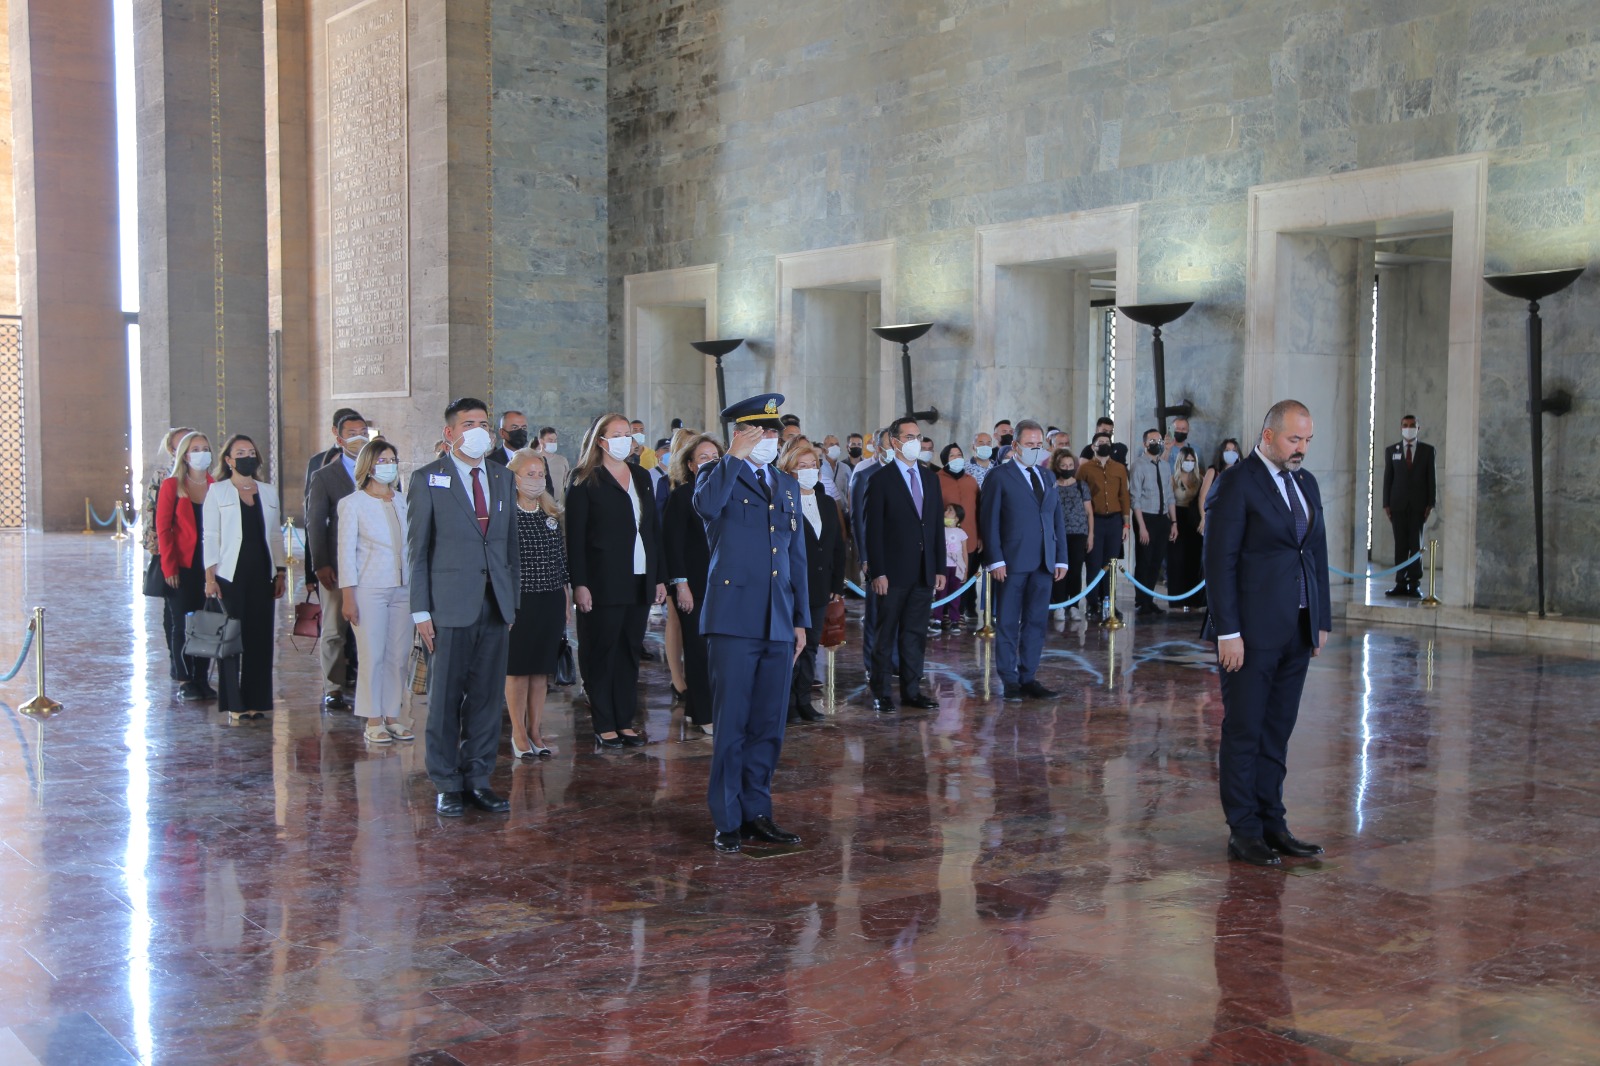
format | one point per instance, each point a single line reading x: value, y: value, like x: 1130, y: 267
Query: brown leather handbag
x: 832, y: 625
x: 308, y: 616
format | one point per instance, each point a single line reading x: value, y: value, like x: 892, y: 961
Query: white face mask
x: 1188, y: 466
x: 475, y: 442
x: 807, y: 478
x: 198, y: 460
x: 1031, y: 456
x: 353, y: 445
x: 385, y: 472
x: 765, y: 451
x: 927, y: 455
x: 550, y: 446
x: 833, y: 452
x: 984, y: 452
x: 956, y: 465
x: 638, y: 438
x: 619, y: 448
x: 1229, y: 458
x: 911, y: 451
x: 1409, y: 433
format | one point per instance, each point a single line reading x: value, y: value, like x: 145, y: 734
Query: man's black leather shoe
x: 450, y: 805
x: 1037, y: 691
x: 335, y: 701
x: 1252, y: 850
x: 807, y: 713
x: 919, y: 701
x: 726, y: 842
x: 1287, y: 843
x: 1398, y: 590
x: 883, y: 705
x: 486, y: 799
x: 1011, y: 693
x: 763, y: 829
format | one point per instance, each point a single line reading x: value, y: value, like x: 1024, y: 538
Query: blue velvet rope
x: 27, y: 646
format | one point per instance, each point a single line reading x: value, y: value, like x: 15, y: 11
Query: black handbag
x: 566, y: 664
x: 155, y: 582
x: 210, y: 634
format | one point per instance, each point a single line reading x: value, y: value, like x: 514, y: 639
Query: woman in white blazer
x: 372, y: 566
x: 245, y: 567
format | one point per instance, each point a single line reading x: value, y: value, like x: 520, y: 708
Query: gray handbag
x: 210, y: 634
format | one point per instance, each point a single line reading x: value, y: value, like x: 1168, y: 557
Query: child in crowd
x: 955, y: 567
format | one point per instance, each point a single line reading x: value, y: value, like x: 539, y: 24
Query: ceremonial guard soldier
x: 755, y: 618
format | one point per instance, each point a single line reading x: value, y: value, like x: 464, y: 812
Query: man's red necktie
x: 480, y: 503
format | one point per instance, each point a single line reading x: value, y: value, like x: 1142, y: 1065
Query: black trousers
x: 244, y: 681
x: 190, y: 595
x: 1260, y: 703
x: 609, y: 640
x: 903, y: 615
x: 696, y: 672
x: 1407, y: 526
x: 466, y: 689
x: 1072, y: 584
x: 805, y: 667
x: 1107, y: 546
x: 1149, y: 557
x: 1185, y: 568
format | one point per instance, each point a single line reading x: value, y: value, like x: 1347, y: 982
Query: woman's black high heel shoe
x: 606, y: 743
x: 679, y: 695
x: 632, y: 740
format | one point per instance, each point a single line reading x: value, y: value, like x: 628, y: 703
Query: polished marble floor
x: 984, y: 883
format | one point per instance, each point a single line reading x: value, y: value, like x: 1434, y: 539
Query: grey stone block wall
x: 742, y: 130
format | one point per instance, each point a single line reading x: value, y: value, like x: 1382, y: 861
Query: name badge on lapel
x: 438, y: 481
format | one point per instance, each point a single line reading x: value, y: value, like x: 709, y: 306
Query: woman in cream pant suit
x: 372, y: 566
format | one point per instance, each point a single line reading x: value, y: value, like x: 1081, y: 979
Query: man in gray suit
x: 332, y: 482
x: 462, y: 539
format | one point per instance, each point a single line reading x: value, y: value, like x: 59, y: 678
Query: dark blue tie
x: 1300, y: 525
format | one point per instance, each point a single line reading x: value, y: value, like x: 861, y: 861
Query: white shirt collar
x: 465, y: 469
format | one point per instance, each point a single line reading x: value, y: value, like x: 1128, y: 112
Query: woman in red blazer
x: 178, y: 541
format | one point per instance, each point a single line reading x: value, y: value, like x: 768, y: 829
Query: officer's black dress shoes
x: 1037, y: 691
x: 1011, y: 693
x: 919, y: 701
x: 1252, y: 850
x: 1286, y: 843
x: 806, y: 713
x: 883, y: 705
x: 451, y: 805
x: 763, y: 829
x: 486, y: 799
x: 726, y: 842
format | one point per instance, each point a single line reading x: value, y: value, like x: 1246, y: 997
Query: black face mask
x: 855, y: 451
x: 1154, y: 447
x: 1005, y: 440
x: 247, y: 465
x: 1180, y: 437
x: 516, y: 439
x: 1102, y: 450
x: 1065, y: 473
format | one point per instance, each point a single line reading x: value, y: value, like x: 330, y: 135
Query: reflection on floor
x: 983, y: 883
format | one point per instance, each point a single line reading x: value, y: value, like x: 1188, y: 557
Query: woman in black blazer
x: 614, y: 560
x: 824, y: 565
x: 688, y: 561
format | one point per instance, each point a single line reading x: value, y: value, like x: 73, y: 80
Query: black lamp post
x: 716, y: 350
x: 1158, y: 315
x: 1534, y: 287
x: 903, y: 335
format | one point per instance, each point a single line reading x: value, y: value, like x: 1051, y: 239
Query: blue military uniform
x: 755, y: 599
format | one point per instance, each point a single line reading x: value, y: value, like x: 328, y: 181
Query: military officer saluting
x: 754, y: 619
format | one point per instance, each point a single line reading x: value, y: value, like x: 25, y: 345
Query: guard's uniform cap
x: 758, y: 411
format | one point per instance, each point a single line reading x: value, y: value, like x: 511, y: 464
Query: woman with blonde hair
x: 177, y: 518
x: 614, y: 562
x: 376, y: 600
x: 542, y: 606
x: 824, y: 531
x: 688, y: 563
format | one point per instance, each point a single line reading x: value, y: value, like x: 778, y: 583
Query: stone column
x: 202, y: 218
x: 75, y: 359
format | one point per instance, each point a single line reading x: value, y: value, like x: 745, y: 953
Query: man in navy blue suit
x: 755, y: 618
x: 1019, y: 516
x: 1266, y: 556
x: 904, y: 518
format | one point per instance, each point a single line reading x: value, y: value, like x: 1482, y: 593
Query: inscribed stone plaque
x: 369, y: 226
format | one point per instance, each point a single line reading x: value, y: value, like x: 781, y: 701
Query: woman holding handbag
x: 245, y: 568
x: 178, y: 520
x: 541, y: 623
x: 824, y: 566
x: 376, y: 600
x: 683, y: 537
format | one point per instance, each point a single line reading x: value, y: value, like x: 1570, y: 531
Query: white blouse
x: 638, y: 535
x: 808, y: 507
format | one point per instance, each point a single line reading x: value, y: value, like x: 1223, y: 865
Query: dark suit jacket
x: 1253, y: 563
x: 757, y: 584
x: 600, y: 531
x: 453, y: 564
x: 683, y: 537
x: 824, y: 555
x: 318, y: 461
x: 1410, y: 490
x: 498, y: 455
x: 1021, y: 532
x: 907, y: 549
x: 328, y: 486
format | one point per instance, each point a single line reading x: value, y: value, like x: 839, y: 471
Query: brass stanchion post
x: 88, y: 530
x: 1111, y: 621
x: 987, y: 587
x: 1111, y: 660
x: 119, y: 522
x: 828, y: 696
x: 41, y: 706
x: 1430, y: 600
